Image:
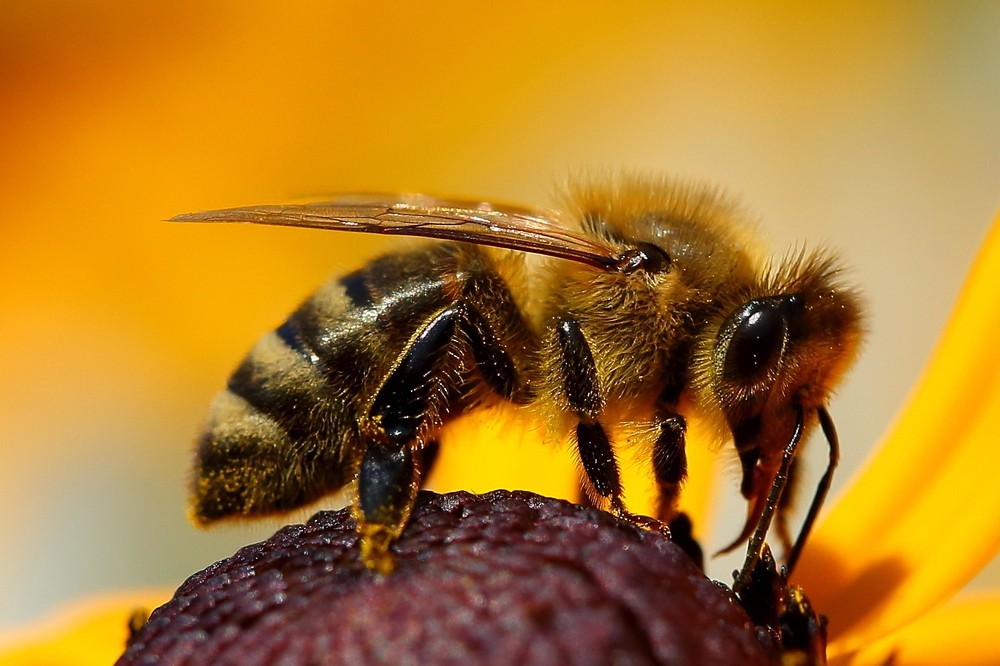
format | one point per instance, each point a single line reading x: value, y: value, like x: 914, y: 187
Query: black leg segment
x: 598, y: 459
x: 669, y: 464
x: 579, y: 370
x: 491, y: 358
x: 583, y: 394
x: 682, y: 534
x: 390, y: 476
x: 427, y: 458
x: 396, y: 422
x: 384, y: 482
x: 402, y: 401
x: 669, y: 456
x: 387, y: 488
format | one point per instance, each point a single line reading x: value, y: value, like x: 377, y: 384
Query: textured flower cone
x: 501, y: 578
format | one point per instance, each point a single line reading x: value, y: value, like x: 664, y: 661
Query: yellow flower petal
x: 92, y: 631
x: 697, y: 498
x: 920, y: 519
x: 962, y: 633
x: 500, y: 447
x: 497, y: 448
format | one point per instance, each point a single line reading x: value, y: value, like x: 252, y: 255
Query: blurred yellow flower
x: 91, y: 631
x: 914, y: 527
x: 116, y: 115
x: 921, y: 517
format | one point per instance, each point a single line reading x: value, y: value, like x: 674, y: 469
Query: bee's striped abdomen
x: 285, y: 432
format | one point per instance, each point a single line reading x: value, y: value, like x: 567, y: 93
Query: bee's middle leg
x: 392, y: 467
x: 582, y: 391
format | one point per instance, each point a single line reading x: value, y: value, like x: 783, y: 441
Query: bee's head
x: 779, y: 349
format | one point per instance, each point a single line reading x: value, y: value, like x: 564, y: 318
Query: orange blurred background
x: 872, y: 127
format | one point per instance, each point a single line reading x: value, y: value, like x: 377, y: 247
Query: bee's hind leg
x: 388, y: 482
x: 389, y: 476
x: 396, y: 456
x: 387, y: 487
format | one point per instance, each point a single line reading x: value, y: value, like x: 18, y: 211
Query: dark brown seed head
x: 502, y: 578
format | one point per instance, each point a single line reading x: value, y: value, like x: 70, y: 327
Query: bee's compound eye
x: 757, y: 333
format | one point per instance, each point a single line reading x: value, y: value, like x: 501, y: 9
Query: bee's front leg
x: 669, y: 462
x: 669, y: 472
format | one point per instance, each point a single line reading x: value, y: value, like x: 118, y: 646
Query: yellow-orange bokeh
x: 870, y: 126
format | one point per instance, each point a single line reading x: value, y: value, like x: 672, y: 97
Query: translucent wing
x: 505, y: 226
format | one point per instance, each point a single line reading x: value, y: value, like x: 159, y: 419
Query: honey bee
x: 639, y: 292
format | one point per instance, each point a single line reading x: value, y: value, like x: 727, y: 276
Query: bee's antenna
x: 756, y: 545
x: 830, y: 432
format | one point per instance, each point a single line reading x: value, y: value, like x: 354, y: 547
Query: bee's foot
x: 644, y: 522
x: 375, y: 542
